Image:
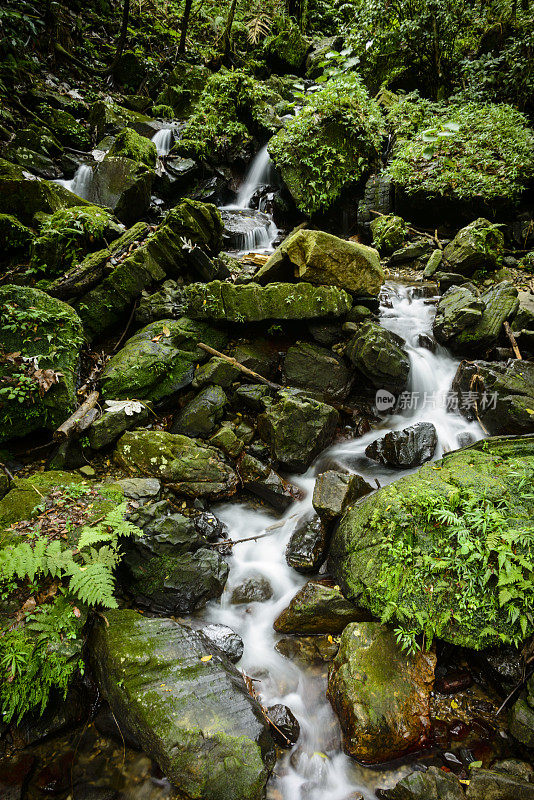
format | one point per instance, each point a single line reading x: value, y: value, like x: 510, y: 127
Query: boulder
x: 334, y: 491
x: 322, y: 259
x: 457, y: 309
x: 14, y: 236
x: 433, y: 264
x: 118, y: 416
x: 129, y: 144
x: 264, y: 482
x: 108, y: 118
x: 380, y: 694
x: 474, y: 247
x: 193, y: 716
x: 190, y: 468
x: 201, y: 415
x: 216, y: 371
x: 227, y: 441
x: 245, y: 229
x: 318, y: 370
x: 41, y: 338
x: 493, y: 784
x: 255, y: 303
x: 162, y: 533
x: 285, y: 726
x: 159, y: 360
x: 22, y: 194
x: 308, y: 650
x: 261, y: 356
x: 286, y: 52
x: 308, y: 546
x: 360, y: 557
x: 225, y: 639
x: 389, y: 233
x: 500, y: 394
x: 410, y: 447
x: 318, y: 607
x: 297, y: 429
x: 253, y: 590
x: 67, y: 129
x: 380, y: 356
x: 433, y: 784
x: 123, y: 185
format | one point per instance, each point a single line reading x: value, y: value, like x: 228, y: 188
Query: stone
x: 107, y: 117
x: 432, y: 784
x: 308, y: 650
x: 190, y: 468
x: 194, y: 717
x: 162, y: 533
x: 308, y: 546
x: 318, y: 608
x: 433, y: 264
x: 410, y: 447
x: 227, y: 441
x: 380, y: 356
x: 14, y: 236
x: 129, y: 144
x: 41, y: 392
x: 264, y: 482
x: 201, y: 415
x: 323, y: 259
x: 521, y: 722
x: 380, y: 694
x: 261, y: 356
x: 253, y: 590
x: 485, y: 470
x: 141, y: 489
x: 254, y: 396
x: 500, y: 304
x: 209, y: 526
x: 457, y: 309
x: 334, y: 491
x: 159, y: 360
x: 474, y: 247
x: 255, y: 303
x: 318, y: 370
x: 15, y: 775
x: 67, y: 129
x: 488, y: 784
x: 504, y: 394
x: 245, y: 229
x: 123, y: 185
x: 389, y: 233
x: 297, y: 429
x: 285, y: 727
x: 286, y: 52
x: 117, y: 417
x: 410, y: 253
x: 225, y: 639
x: 217, y: 371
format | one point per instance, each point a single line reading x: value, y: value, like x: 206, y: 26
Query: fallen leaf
x: 206, y: 658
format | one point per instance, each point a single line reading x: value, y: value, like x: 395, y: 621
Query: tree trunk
x: 228, y: 29
x: 123, y: 32
x: 185, y: 25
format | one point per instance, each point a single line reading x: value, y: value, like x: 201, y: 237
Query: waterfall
x: 164, y: 140
x: 259, y: 174
x: 80, y: 184
x: 317, y: 768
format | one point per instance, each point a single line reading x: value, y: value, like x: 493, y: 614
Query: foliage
x: 460, y: 548
x: 477, y: 150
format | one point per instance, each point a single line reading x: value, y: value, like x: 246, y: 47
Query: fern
x: 94, y: 584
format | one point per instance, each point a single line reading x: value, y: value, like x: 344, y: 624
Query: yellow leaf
x: 530, y: 411
x: 206, y: 658
x: 166, y: 331
x: 321, y: 755
x: 454, y: 704
x: 330, y: 639
x: 337, y: 588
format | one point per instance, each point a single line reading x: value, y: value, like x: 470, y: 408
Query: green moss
x: 66, y: 128
x: 14, y: 236
x: 163, y: 111
x: 131, y: 145
x: 287, y: 50
x: 389, y: 233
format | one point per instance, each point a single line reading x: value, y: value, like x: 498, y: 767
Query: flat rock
x: 318, y: 608
x: 334, y: 491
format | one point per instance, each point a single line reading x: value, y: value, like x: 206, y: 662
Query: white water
x: 80, y: 184
x: 316, y: 768
x: 164, y: 140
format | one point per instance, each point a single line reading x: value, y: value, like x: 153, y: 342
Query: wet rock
x: 264, y: 482
x: 254, y: 396
x: 410, y: 252
x: 106, y: 724
x: 308, y: 650
x: 129, y: 144
x: 210, y: 527
x: 190, y: 468
x: 503, y: 393
x: 388, y: 712
x: 225, y: 639
x: 201, y: 415
x: 433, y: 264
x: 159, y: 360
x: 334, y: 491
x: 474, y: 247
x: 109, y: 118
x: 389, y: 233
x: 123, y: 185
x: 318, y: 608
x: 380, y: 356
x: 484, y: 470
x: 54, y: 778
x: 218, y: 372
x: 325, y: 260
x: 502, y: 666
x: 488, y: 784
x: 457, y: 309
x: 194, y: 717
x: 433, y: 784
x: 317, y: 369
x: 253, y: 590
x: 308, y: 546
x: 118, y: 416
x: 426, y: 341
x: 163, y: 532
x: 297, y: 429
x: 245, y: 229
x: 514, y: 767
x: 260, y: 356
x: 285, y: 727
x: 61, y: 714
x: 15, y: 775
x: 227, y: 441
x: 521, y: 722
x: 453, y: 682
x: 407, y: 448
x: 141, y: 489
x: 54, y: 343
x: 446, y: 280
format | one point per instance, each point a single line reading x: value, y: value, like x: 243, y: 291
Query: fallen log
x: 74, y: 424
x: 512, y: 339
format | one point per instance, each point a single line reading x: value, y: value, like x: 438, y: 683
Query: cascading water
x: 164, y: 140
x: 80, y: 184
x: 317, y: 769
x: 259, y: 174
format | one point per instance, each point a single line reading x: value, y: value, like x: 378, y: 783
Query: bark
x: 185, y: 25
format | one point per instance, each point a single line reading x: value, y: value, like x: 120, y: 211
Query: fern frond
x: 93, y: 584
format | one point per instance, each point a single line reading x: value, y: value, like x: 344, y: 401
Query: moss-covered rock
x: 67, y: 129
x: 68, y: 234
x: 389, y: 233
x: 190, y: 468
x: 130, y: 144
x: 123, y: 185
x: 201, y: 415
x: 14, y: 236
x: 184, y: 87
x: 109, y: 118
x: 317, y: 608
x: 22, y: 195
x: 488, y: 471
x: 477, y: 246
x: 287, y: 51
x: 318, y: 370
x: 37, y: 385
x: 159, y: 360
x: 388, y: 713
x: 192, y: 714
x: 323, y: 259
x: 380, y: 356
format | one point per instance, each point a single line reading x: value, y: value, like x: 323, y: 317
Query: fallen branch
x: 72, y: 425
x: 240, y: 367
x: 231, y: 542
x: 512, y: 339
x: 433, y: 238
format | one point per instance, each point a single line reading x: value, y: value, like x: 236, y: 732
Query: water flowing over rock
x: 307, y: 548
x: 380, y: 694
x: 380, y: 356
x: 194, y: 716
x: 247, y: 230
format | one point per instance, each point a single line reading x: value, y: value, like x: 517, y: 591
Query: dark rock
x: 254, y: 396
x: 308, y: 546
x: 123, y: 185
x: 474, y: 247
x: 433, y: 784
x: 264, y: 482
x: 410, y: 252
x: 117, y: 417
x: 141, y: 489
x: 285, y: 727
x: 380, y: 356
x: 210, y: 527
x: 195, y: 717
x: 225, y: 639
x: 15, y: 775
x: 55, y: 778
x: 308, y: 366
x: 260, y: 356
x: 318, y: 608
x: 521, y: 722
x: 308, y: 650
x: 107, y: 725
x: 426, y: 341
x: 388, y: 713
x: 514, y: 767
x: 485, y: 784
x: 407, y: 448
x: 244, y: 229
x: 216, y: 371
x: 334, y: 491
x: 227, y: 441
x: 201, y: 415
x: 453, y: 682
x: 164, y: 532
x: 446, y: 280
x: 253, y: 590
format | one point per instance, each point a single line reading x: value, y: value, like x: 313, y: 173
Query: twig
x: 125, y: 331
x: 240, y: 367
x: 8, y: 473
x: 231, y: 542
x: 512, y: 338
x: 71, y: 425
x: 514, y: 690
